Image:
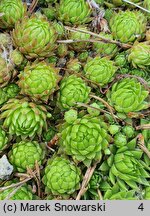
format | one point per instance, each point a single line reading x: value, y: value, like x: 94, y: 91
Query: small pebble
x: 6, y: 168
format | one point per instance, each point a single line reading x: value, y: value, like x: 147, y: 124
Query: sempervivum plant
x: 100, y: 70
x: 140, y: 73
x: 12, y: 10
x: 35, y: 37
x: 60, y: 30
x: 24, y: 154
x: 116, y: 193
x: 128, y: 95
x: 140, y: 55
x: 6, y: 72
x: 121, y: 60
x: 24, y: 118
x: 84, y: 139
x: 74, y: 12
x: 3, y: 97
x: 105, y: 49
x: 126, y: 26
x: 38, y: 80
x: 72, y: 89
x: 23, y: 193
x: 3, y: 139
x: 79, y: 46
x: 62, y: 177
x: 147, y: 193
x: 10, y: 91
x: 128, y: 167
x: 73, y: 65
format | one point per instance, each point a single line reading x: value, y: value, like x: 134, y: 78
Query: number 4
x: 141, y: 207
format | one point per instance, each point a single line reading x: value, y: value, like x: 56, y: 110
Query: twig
x: 106, y: 104
x: 33, y: 6
x: 141, y: 144
x: 99, y: 194
x: 145, y: 150
x: 29, y: 170
x: 144, y: 126
x: 136, y: 5
x: 78, y: 41
x: 16, y: 184
x: 86, y: 180
x: 13, y: 192
x: 22, y: 175
x: 38, y: 176
x: 2, y: 14
x: 95, y: 108
x: 53, y: 141
x: 89, y: 106
x: 93, y: 4
x: 99, y: 36
x: 50, y: 148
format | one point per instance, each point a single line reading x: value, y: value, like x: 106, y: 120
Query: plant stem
x: 33, y: 6
x: 144, y: 126
x: 136, y: 5
x: 99, y: 36
x: 16, y: 184
x: 106, y: 104
x: 99, y: 194
x: 141, y: 144
x: 86, y: 179
x: 88, y: 106
x: 78, y: 41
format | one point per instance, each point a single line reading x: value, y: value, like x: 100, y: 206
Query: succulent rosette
x: 128, y: 95
x: 147, y: 193
x: 62, y: 177
x: 59, y: 28
x: 126, y: 26
x: 128, y: 167
x: 100, y: 70
x: 10, y: 91
x: 23, y: 193
x: 73, y: 12
x: 24, y: 118
x: 38, y: 80
x: 79, y: 46
x: 25, y: 154
x: 6, y: 72
x: 62, y: 50
x: 105, y: 49
x: 121, y: 60
x: 35, y: 37
x: 140, y: 55
x: 72, y: 89
x: 84, y: 139
x: 12, y: 11
x: 74, y: 65
x: 16, y: 57
x: 116, y: 193
x: 3, y: 97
